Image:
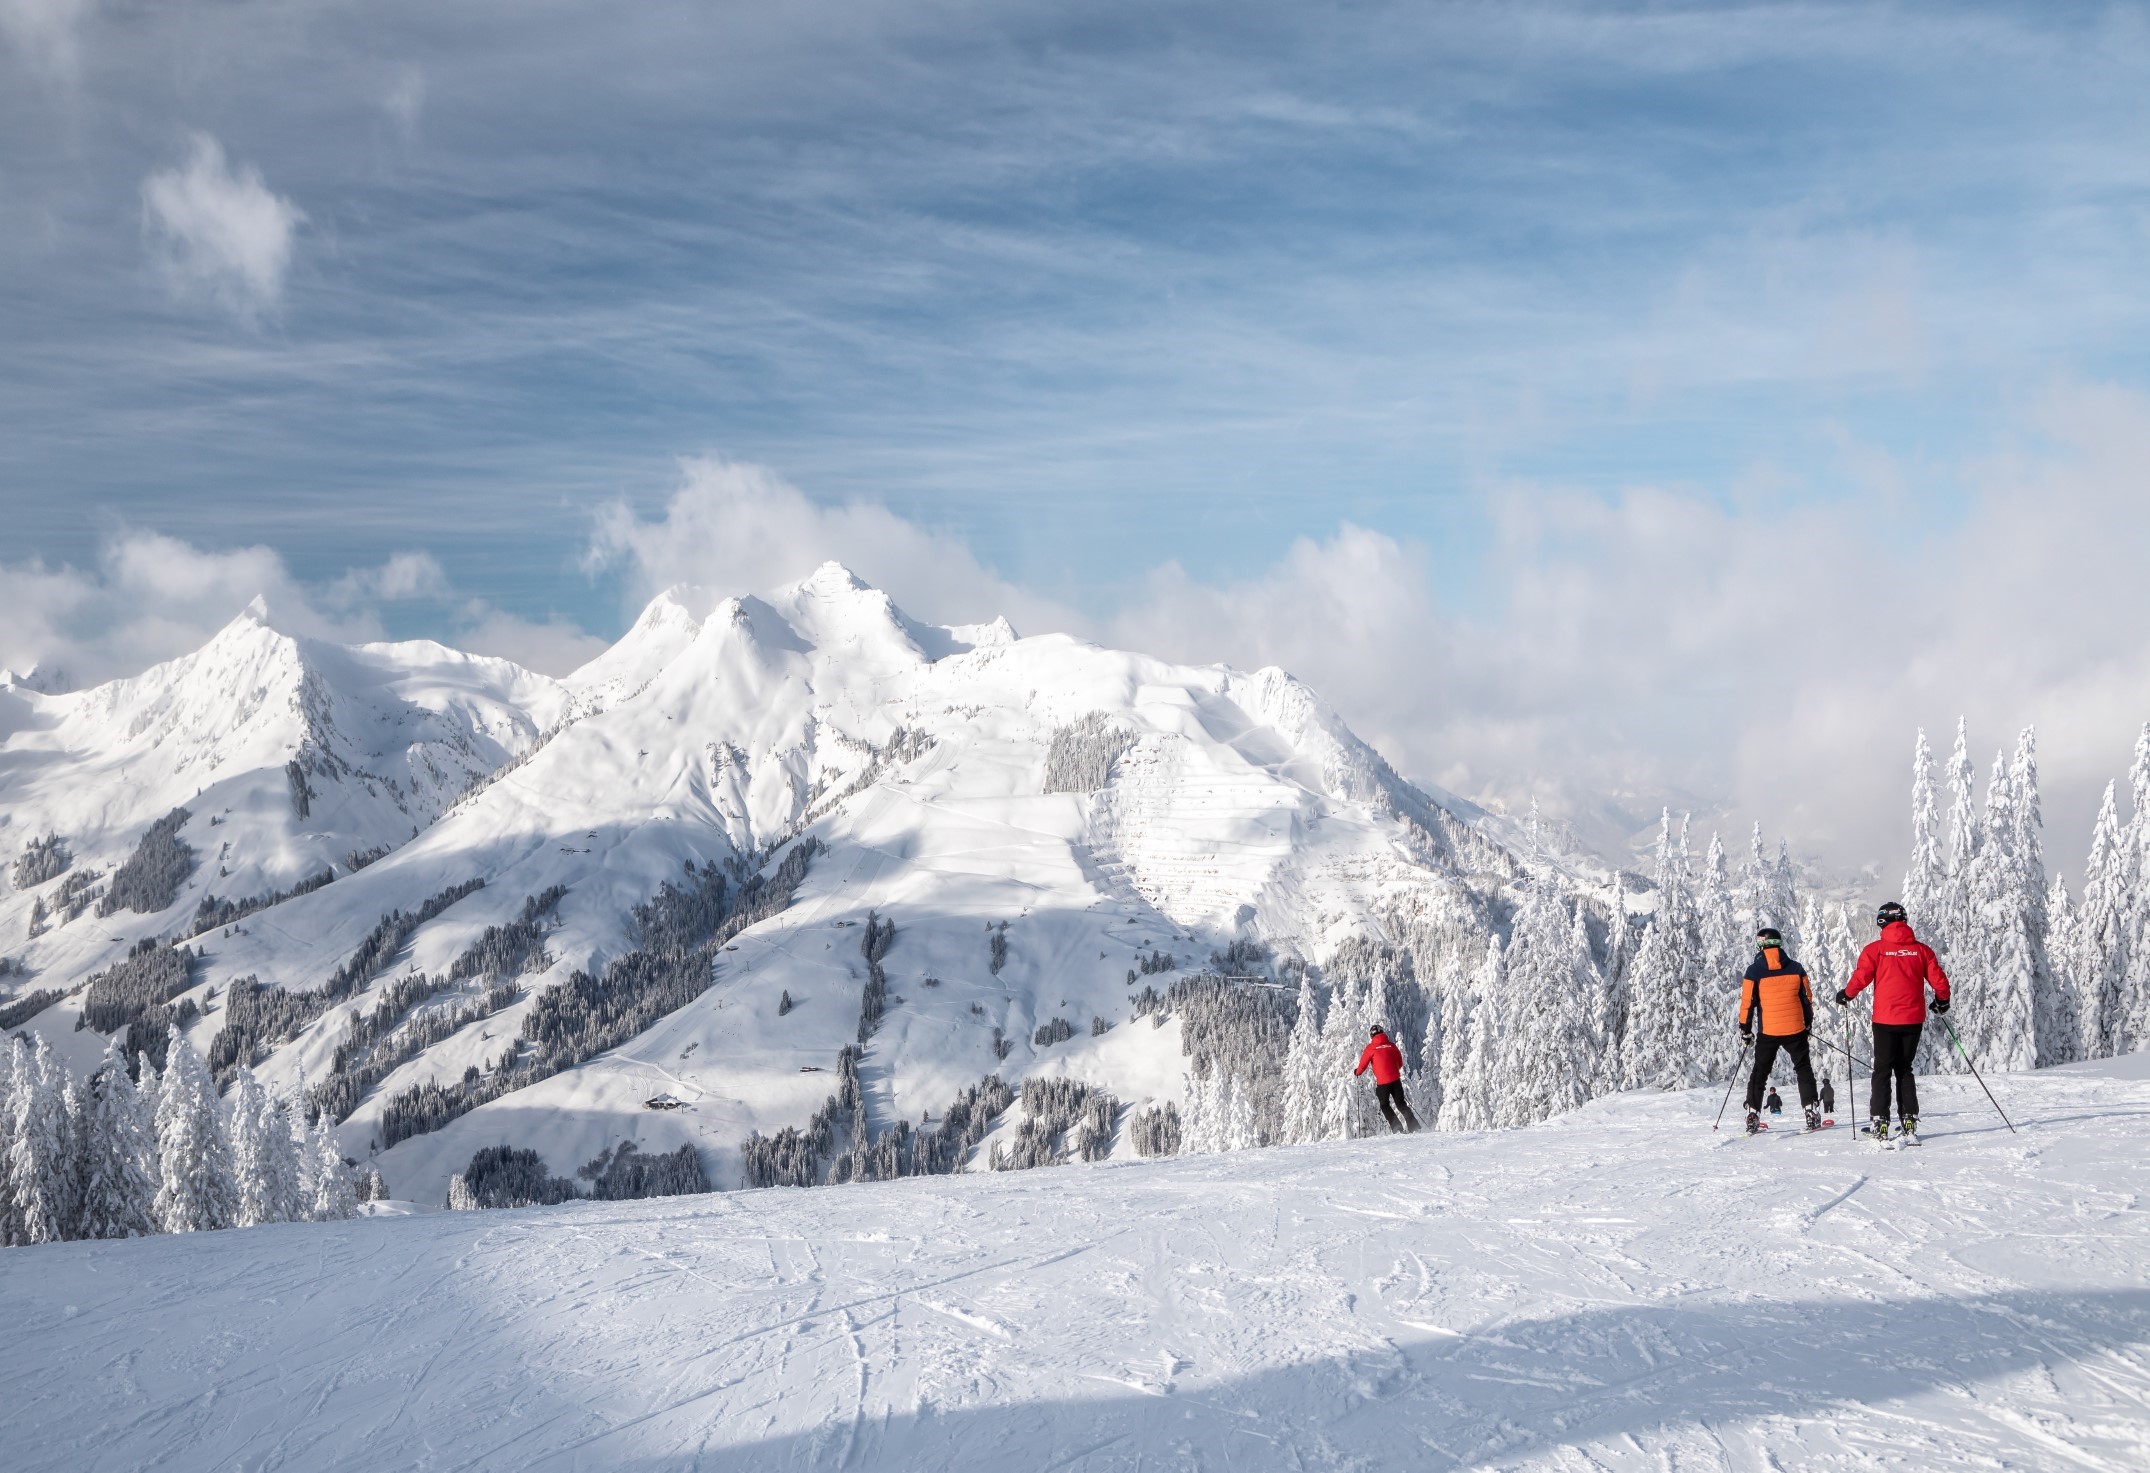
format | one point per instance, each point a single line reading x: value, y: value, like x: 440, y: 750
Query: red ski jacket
x: 1898, y: 967
x: 1384, y: 1058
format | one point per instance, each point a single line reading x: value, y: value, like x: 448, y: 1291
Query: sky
x: 1607, y: 404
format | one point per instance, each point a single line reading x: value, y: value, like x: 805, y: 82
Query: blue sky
x: 1122, y: 303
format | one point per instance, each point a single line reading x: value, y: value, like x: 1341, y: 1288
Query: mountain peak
x: 834, y: 577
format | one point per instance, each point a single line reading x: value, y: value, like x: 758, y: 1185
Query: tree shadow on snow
x: 1504, y: 1396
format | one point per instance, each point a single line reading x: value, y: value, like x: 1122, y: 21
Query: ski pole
x: 1952, y: 1038
x: 1730, y: 1082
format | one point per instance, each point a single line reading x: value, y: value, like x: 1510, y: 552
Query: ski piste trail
x: 1608, y: 1290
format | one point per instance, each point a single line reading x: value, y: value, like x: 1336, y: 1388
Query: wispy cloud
x: 46, y: 33
x: 219, y: 231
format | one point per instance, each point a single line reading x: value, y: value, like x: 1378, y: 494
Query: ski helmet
x: 1890, y: 914
x: 1770, y: 936
x: 1376, y: 1031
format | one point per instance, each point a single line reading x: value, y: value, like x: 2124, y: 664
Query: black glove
x: 1940, y: 1004
x: 1843, y: 996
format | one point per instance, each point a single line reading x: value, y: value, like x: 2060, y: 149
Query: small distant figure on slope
x: 1776, y: 995
x: 1775, y: 1102
x: 1386, y: 1060
x: 1899, y: 967
x: 1828, y: 1097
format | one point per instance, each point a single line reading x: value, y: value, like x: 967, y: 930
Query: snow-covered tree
x: 2096, y: 945
x: 14, y: 1056
x: 329, y: 1193
x: 1926, y: 881
x: 1950, y: 924
x: 1302, y: 1063
x: 2129, y: 1025
x: 2000, y: 968
x: 2056, y: 1019
x: 1237, y: 1129
x: 196, y: 1192
x: 42, y: 1167
x: 117, y: 1191
x: 1548, y: 1054
x: 1677, y: 1010
x: 1469, y: 1073
x: 264, y: 1159
x: 1343, y: 1039
x: 1767, y: 892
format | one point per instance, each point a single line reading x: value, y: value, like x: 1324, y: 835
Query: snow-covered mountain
x: 1040, y: 819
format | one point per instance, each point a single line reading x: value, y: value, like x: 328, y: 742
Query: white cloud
x: 219, y: 231
x: 742, y: 528
x: 403, y: 578
x: 45, y: 32
x: 552, y: 646
x: 1759, y: 656
x: 150, y: 597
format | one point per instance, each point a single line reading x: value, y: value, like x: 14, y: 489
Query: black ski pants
x: 1794, y: 1046
x: 1896, y: 1047
x: 1392, y: 1101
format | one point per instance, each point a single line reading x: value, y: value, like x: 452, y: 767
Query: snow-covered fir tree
x: 2000, y: 968
x: 1925, y: 889
x: 2095, y: 948
x: 2129, y: 1025
x: 117, y: 1190
x: 1549, y: 1053
x: 1676, y: 1011
x: 41, y: 1166
x: 1302, y: 1062
x: 196, y: 1192
x: 326, y: 1185
x: 264, y: 1160
x: 1343, y: 1039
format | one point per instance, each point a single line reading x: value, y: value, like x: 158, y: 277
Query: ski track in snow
x: 1607, y: 1291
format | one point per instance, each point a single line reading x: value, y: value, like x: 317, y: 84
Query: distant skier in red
x: 1899, y: 967
x: 1386, y: 1060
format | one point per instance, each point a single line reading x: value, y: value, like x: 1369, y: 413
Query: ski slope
x: 1617, y: 1289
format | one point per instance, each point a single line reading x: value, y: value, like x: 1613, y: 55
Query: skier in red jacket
x: 1899, y: 967
x: 1386, y: 1060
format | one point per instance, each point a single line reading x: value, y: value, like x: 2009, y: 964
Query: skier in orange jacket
x: 1776, y: 995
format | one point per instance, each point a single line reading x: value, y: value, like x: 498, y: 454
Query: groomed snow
x: 1617, y: 1289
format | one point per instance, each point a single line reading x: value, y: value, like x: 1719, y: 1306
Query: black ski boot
x: 1814, y: 1117
x: 1754, y: 1122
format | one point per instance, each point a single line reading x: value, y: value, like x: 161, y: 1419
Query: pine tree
x: 1949, y: 925
x: 1724, y: 953
x: 1469, y: 1080
x: 1302, y: 1062
x: 1547, y: 1054
x: 330, y: 1194
x: 2003, y: 1028
x: 117, y: 1192
x: 1240, y: 1132
x: 14, y: 1057
x: 1343, y: 1039
x: 41, y: 1167
x: 2057, y: 1019
x: 2096, y: 949
x: 1926, y: 881
x: 196, y: 1191
x: 2128, y: 1025
x: 1675, y: 1027
x: 1784, y: 899
x: 263, y: 1159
